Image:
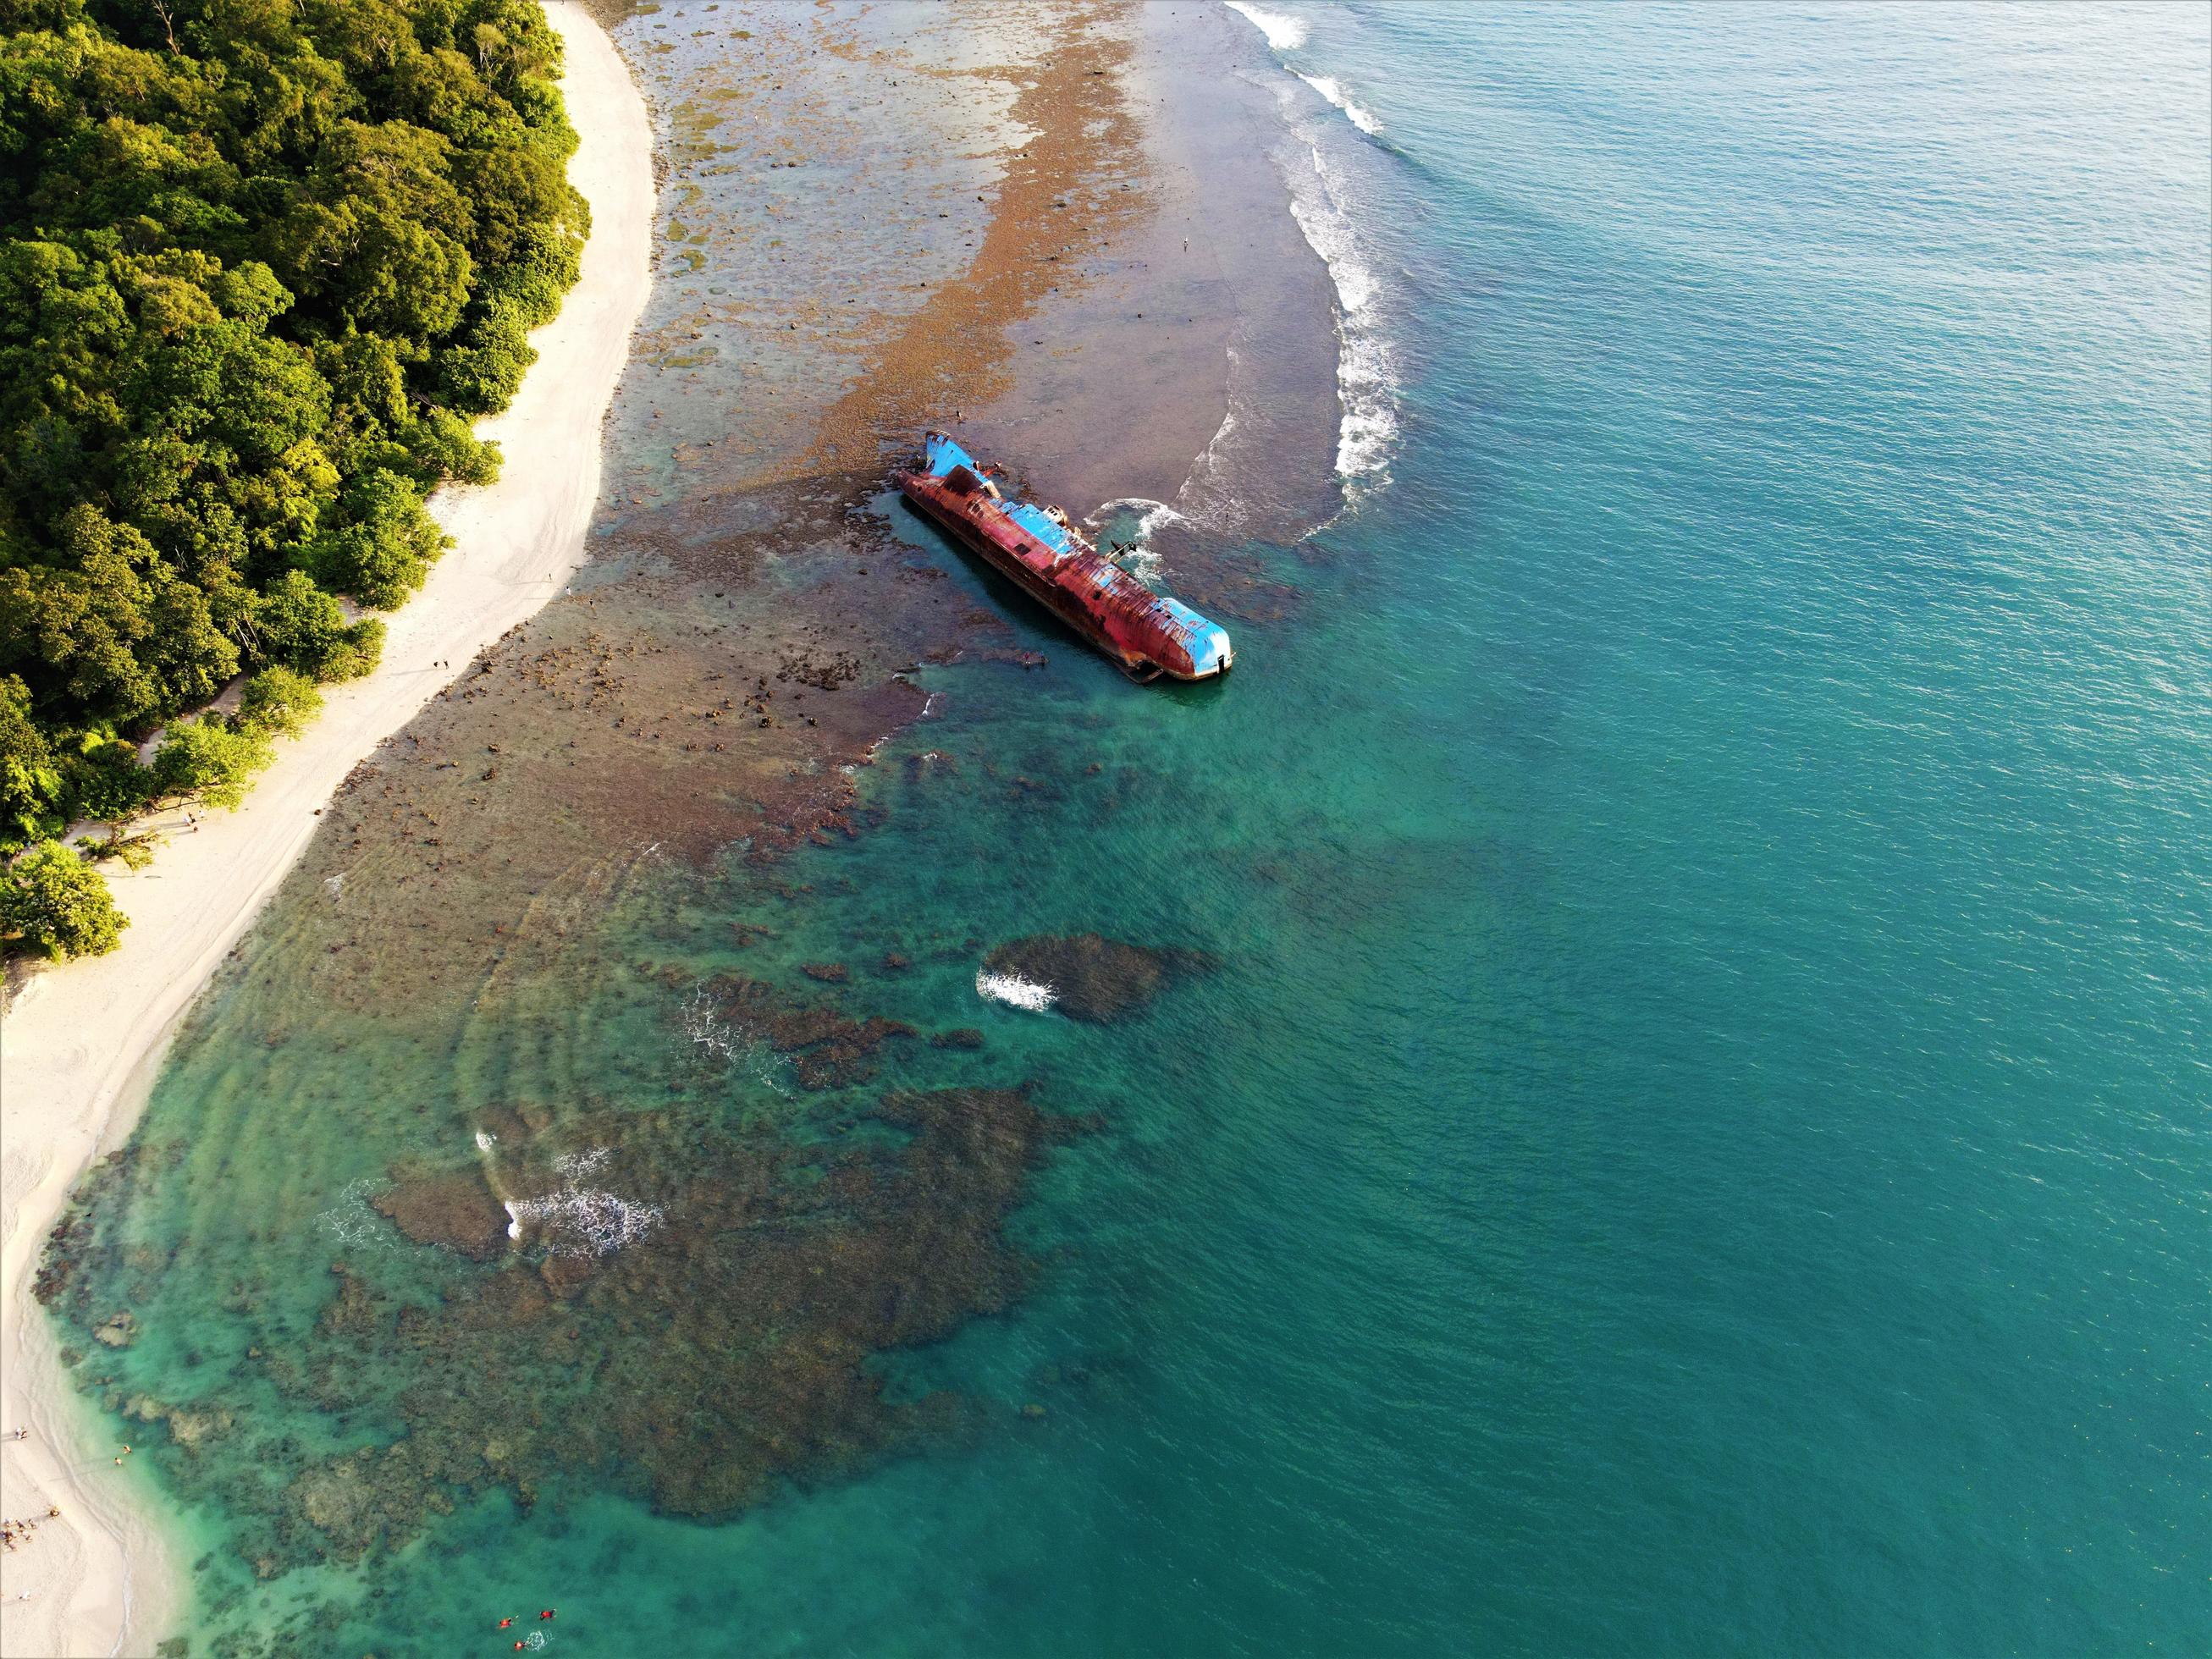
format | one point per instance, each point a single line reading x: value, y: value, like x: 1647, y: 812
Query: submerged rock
x: 705, y: 1365
x: 120, y: 1331
x: 1095, y: 978
x: 456, y: 1210
x: 190, y: 1427
x: 826, y: 1049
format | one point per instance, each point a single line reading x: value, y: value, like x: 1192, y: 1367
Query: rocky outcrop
x: 1095, y: 978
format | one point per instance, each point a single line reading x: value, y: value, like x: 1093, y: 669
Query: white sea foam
x: 580, y: 1220
x: 1330, y: 88
x: 738, y: 1048
x: 1150, y: 514
x: 1209, y: 458
x: 574, y: 1167
x: 1284, y: 34
x: 1142, y: 561
x: 583, y: 1221
x: 351, y: 1221
x: 1366, y: 376
x: 1015, y: 991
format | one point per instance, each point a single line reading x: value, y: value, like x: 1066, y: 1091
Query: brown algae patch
x: 1064, y: 197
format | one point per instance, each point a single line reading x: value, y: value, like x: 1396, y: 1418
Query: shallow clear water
x: 1696, y: 1139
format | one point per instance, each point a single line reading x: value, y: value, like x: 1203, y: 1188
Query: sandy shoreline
x: 80, y: 1045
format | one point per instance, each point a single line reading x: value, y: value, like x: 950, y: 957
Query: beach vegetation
x: 31, y: 783
x: 298, y: 625
x: 210, y: 760
x: 134, y: 849
x: 104, y: 780
x: 278, y: 701
x: 355, y: 653
x: 262, y: 262
x: 55, y: 904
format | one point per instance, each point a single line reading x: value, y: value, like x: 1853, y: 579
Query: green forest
x: 262, y: 262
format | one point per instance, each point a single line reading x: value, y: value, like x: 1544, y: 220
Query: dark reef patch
x: 456, y: 1210
x: 826, y: 1049
x: 696, y: 1364
x: 1097, y: 979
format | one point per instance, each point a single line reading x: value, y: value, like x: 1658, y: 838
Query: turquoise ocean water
x: 1697, y: 1141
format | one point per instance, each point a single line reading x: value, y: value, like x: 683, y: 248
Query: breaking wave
x: 1321, y: 201
x: 1366, y: 371
x: 580, y: 1220
x: 737, y: 1048
x: 1328, y: 88
x: 1143, y: 559
x: 1015, y: 991
x: 1284, y: 34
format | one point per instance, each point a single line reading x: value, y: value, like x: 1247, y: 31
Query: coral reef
x: 825, y: 1047
x: 454, y: 1210
x: 697, y: 1364
x: 1094, y: 978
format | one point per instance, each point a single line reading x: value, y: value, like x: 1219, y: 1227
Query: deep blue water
x: 1701, y: 1142
x: 1704, y: 1144
x: 1698, y: 1142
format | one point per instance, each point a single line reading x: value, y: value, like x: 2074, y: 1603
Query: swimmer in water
x: 504, y: 1623
x: 548, y: 1613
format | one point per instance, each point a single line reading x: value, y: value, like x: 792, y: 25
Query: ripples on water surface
x: 1695, y: 1137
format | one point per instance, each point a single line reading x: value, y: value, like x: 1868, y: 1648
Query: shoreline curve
x: 81, y: 1042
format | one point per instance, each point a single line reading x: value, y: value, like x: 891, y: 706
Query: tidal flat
x: 502, y: 1168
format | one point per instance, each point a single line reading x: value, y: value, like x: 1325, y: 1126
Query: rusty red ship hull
x: 1036, y: 547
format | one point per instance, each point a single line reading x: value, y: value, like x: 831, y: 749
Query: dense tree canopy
x: 53, y: 903
x: 261, y: 261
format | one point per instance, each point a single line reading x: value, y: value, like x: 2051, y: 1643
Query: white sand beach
x: 81, y: 1044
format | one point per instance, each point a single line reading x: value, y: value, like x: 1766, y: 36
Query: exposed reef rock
x: 826, y: 1049
x: 456, y: 1210
x: 1095, y: 979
